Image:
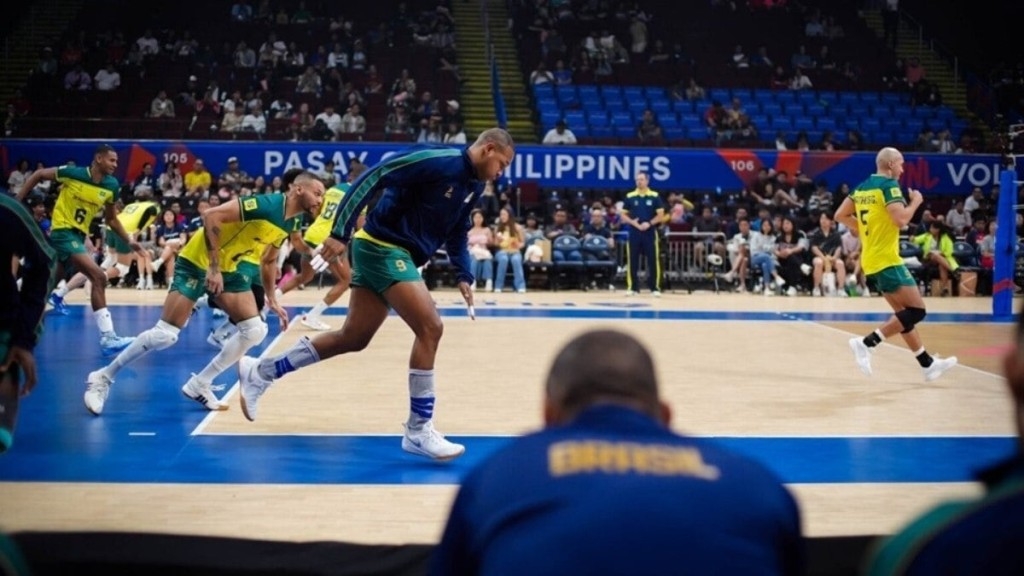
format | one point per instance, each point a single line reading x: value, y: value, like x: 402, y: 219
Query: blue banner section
x: 549, y: 166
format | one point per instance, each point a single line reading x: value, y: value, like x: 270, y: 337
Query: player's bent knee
x: 160, y: 337
x: 252, y: 331
x: 910, y: 317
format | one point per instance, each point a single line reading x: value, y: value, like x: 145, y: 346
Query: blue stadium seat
x: 793, y: 109
x: 721, y: 94
x: 682, y: 106
x: 858, y: 110
x: 591, y: 102
x: 614, y: 102
x: 815, y: 109
x: 784, y: 123
x: 544, y: 89
x: 828, y: 97
x: 806, y: 97
x: 760, y: 120
x: 849, y: 98
x: 924, y: 112
x: 744, y: 94
x: 879, y: 110
x: 597, y: 118
x: 892, y: 123
x: 785, y: 96
x: 905, y: 137
x: 622, y: 118
x: 588, y: 90
x: 870, y: 98
x: 667, y: 118
x: 624, y: 131
x: 771, y: 109
x: 763, y: 95
x: 574, y: 117
x: 633, y: 93
x: 805, y: 123
x: 549, y: 117
x: 660, y: 105
x: 610, y: 90
x: 914, y: 125
x: 601, y: 131
x: 891, y: 98
x: 637, y: 105
x: 869, y: 124
x: 826, y: 123
x: 546, y: 103
x: 691, y: 120
x: 674, y: 133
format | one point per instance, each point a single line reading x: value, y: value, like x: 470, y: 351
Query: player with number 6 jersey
x: 85, y: 191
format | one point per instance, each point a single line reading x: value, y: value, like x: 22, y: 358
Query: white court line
x: 886, y: 343
x: 231, y: 391
x: 142, y: 433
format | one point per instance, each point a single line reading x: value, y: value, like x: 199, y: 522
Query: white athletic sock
x: 229, y: 355
x: 317, y: 310
x: 61, y: 290
x: 143, y: 344
x: 421, y: 398
x: 300, y: 355
x: 104, y: 322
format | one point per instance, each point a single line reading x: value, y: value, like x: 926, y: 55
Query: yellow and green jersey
x: 80, y: 198
x: 879, y: 235
x: 262, y: 224
x: 138, y: 215
x: 321, y: 227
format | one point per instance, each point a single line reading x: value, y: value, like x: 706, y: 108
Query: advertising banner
x: 552, y: 167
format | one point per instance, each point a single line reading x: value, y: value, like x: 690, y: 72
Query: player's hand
x: 915, y: 195
x: 467, y: 295
x: 329, y: 251
x: 282, y: 314
x: 24, y: 358
x: 214, y: 282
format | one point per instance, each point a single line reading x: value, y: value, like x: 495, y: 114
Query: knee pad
x: 252, y: 331
x: 122, y: 269
x: 909, y: 317
x: 161, y: 336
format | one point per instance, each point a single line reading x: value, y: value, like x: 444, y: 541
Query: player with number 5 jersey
x: 85, y: 191
x: 876, y: 210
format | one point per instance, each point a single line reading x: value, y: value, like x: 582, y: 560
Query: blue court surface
x: 148, y: 432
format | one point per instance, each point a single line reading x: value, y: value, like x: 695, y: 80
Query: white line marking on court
x: 231, y: 391
x: 142, y: 433
x: 895, y: 346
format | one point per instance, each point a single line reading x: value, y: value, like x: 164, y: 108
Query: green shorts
x: 891, y: 279
x: 114, y: 241
x: 378, y: 267
x: 67, y: 242
x: 190, y: 280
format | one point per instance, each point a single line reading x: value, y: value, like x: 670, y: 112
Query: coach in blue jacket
x: 607, y: 488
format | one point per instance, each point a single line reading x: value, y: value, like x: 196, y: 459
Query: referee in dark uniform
x: 642, y: 212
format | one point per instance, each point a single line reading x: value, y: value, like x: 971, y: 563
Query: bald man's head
x: 602, y: 366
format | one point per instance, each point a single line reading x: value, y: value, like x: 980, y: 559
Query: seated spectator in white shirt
x: 560, y: 134
x: 255, y: 121
x: 107, y: 78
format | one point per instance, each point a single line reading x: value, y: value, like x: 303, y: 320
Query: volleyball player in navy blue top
x: 425, y: 196
x: 642, y: 212
x: 607, y: 488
